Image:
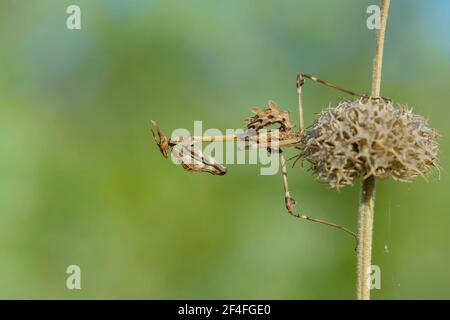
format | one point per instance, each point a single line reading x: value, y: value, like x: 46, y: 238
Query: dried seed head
x: 366, y: 137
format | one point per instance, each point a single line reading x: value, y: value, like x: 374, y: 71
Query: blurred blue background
x: 82, y: 182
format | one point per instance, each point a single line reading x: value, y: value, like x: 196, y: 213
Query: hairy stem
x: 367, y: 196
x: 378, y: 60
x: 365, y: 227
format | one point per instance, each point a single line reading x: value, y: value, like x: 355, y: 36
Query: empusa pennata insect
x: 356, y: 139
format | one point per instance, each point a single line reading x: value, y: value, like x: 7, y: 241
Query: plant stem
x: 378, y: 60
x: 365, y: 226
x: 367, y: 196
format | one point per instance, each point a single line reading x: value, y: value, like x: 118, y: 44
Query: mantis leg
x: 290, y: 202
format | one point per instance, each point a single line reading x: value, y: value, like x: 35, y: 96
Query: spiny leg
x: 300, y: 82
x: 290, y: 202
x: 331, y: 85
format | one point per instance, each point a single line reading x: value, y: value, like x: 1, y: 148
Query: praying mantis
x: 193, y: 159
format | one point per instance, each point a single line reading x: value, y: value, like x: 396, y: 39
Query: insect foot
x: 290, y: 203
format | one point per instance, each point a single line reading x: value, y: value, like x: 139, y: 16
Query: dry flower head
x: 368, y: 137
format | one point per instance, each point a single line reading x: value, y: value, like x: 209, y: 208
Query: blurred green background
x: 82, y: 182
